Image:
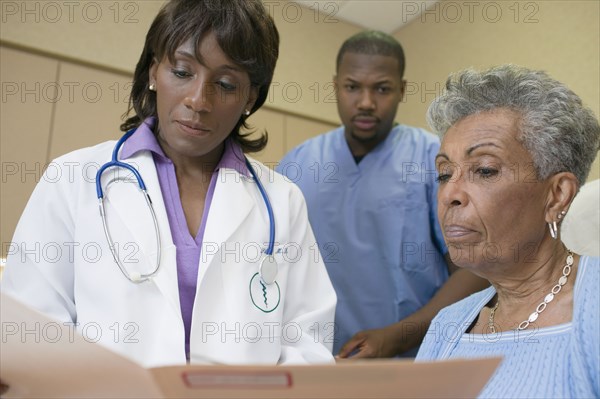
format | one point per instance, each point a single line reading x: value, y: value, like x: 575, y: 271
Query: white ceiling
x: 384, y: 15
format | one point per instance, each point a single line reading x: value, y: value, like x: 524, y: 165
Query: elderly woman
x: 516, y: 147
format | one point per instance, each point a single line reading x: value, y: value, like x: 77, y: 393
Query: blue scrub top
x: 375, y: 224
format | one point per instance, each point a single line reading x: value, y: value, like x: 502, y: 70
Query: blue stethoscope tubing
x: 268, y: 266
x: 115, y: 163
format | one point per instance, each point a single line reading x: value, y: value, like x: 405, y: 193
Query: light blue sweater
x: 561, y: 361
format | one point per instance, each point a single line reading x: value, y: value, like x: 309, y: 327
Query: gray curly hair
x: 558, y: 131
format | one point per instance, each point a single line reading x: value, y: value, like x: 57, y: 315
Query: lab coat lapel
x: 230, y: 206
x: 135, y: 215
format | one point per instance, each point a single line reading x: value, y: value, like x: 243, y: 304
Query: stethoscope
x: 267, y: 269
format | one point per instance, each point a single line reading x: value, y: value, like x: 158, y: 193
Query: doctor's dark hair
x: 245, y: 32
x: 373, y: 42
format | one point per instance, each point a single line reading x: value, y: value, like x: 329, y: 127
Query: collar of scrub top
x: 144, y: 139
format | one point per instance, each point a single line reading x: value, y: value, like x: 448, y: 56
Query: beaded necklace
x: 542, y: 306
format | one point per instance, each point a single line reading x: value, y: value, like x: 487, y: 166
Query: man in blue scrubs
x: 371, y: 193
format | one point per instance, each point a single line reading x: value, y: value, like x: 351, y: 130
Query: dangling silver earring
x: 152, y: 87
x: 247, y: 112
x: 553, y: 230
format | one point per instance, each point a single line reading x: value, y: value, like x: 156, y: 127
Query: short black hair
x: 375, y: 43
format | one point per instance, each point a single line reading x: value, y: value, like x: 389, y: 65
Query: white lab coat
x: 60, y: 263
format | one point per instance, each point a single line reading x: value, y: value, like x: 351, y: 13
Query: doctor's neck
x: 191, y: 162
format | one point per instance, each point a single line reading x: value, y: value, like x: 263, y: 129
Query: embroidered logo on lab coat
x: 264, y: 297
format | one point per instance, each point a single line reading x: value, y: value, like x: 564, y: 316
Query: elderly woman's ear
x: 562, y: 190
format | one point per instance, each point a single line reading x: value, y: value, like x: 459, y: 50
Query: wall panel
x: 90, y: 108
x: 273, y: 123
x: 26, y: 109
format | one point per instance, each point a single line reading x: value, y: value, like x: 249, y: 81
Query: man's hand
x: 371, y: 343
x: 408, y: 333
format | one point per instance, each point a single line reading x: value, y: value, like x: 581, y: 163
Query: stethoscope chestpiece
x: 268, y: 269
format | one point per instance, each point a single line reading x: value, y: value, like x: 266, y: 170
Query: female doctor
x: 180, y: 248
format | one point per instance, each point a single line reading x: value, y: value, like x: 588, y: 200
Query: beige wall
x: 561, y: 37
x: 94, y: 32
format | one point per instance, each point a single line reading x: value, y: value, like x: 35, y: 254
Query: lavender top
x: 188, y: 247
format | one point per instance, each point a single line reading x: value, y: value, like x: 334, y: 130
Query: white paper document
x: 40, y: 357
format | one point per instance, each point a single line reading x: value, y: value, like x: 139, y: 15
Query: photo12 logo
x: 54, y: 332
x: 471, y: 11
x: 54, y: 12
